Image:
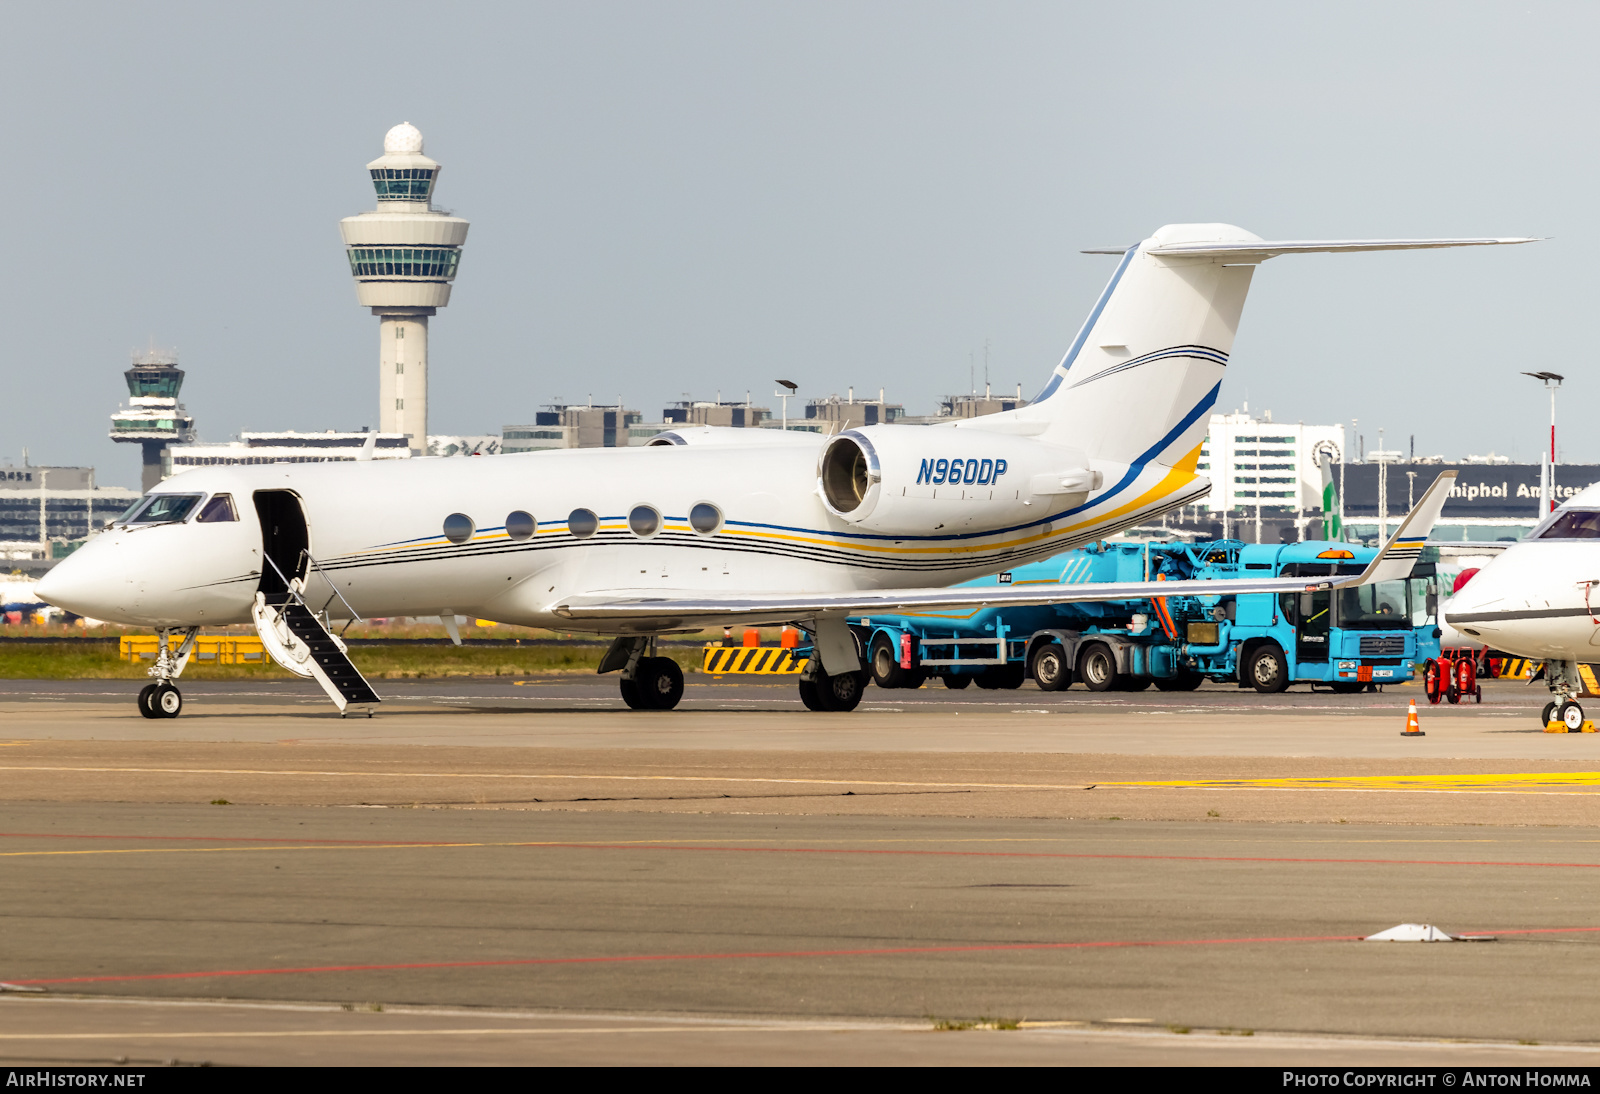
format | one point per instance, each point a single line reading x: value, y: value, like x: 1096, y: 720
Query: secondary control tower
x: 403, y: 256
x: 153, y: 418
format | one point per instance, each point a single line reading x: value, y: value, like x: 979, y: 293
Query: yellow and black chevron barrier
x: 752, y: 660
x: 1518, y: 668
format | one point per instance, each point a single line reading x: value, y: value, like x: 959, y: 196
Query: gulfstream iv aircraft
x: 713, y: 527
x: 1539, y: 599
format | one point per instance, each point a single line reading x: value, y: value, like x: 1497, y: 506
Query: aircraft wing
x: 638, y: 606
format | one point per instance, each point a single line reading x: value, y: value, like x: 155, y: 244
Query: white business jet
x: 716, y: 527
x: 1539, y: 599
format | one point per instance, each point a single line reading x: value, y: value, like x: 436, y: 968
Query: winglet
x: 1395, y: 560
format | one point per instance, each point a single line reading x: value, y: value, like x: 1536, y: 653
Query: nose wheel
x: 160, y: 701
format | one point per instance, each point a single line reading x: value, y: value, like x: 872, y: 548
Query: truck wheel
x: 886, y: 670
x: 1097, y: 667
x: 1004, y: 677
x: 955, y: 681
x: 1049, y: 668
x: 1184, y: 681
x: 1351, y: 687
x: 1267, y: 672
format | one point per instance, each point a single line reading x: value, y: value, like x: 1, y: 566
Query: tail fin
x: 1332, y: 528
x: 1139, y: 381
x: 1397, y: 557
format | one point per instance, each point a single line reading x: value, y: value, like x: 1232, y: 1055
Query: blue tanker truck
x: 1347, y: 639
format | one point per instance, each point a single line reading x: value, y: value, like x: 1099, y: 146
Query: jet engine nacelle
x: 899, y: 479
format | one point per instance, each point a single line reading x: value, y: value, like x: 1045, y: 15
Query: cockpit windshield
x: 1572, y: 524
x: 163, y: 509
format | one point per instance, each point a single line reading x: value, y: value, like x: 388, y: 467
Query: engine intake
x: 911, y: 481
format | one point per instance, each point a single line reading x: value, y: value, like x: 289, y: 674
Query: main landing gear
x: 840, y: 692
x: 163, y: 699
x: 648, y: 683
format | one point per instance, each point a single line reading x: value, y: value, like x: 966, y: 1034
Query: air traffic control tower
x: 403, y: 256
x: 154, y: 418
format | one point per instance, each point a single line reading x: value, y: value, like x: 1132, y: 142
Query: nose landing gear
x: 162, y: 699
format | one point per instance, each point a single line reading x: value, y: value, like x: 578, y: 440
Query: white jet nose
x: 87, y: 582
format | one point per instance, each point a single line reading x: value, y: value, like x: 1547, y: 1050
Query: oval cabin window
x: 644, y: 521
x: 705, y: 518
x: 520, y: 525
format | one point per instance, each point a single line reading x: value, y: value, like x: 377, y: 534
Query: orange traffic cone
x: 1412, y: 728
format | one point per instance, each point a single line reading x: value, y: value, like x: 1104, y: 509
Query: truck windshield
x: 1376, y: 607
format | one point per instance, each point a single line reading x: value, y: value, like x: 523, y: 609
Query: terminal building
x: 43, y: 510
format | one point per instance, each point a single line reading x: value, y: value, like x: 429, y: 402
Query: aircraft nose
x: 82, y: 584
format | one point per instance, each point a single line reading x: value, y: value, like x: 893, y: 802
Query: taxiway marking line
x: 615, y: 959
x: 143, y: 1035
x: 558, y: 845
x: 1522, y: 783
x: 1500, y: 782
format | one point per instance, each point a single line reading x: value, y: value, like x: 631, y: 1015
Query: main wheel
x: 1048, y: 666
x: 886, y: 670
x: 1184, y: 681
x: 166, y: 701
x: 1571, y: 716
x: 145, y: 694
x: 660, y: 682
x: 1548, y: 715
x: 1267, y: 671
x: 955, y: 681
x: 843, y: 692
x: 1097, y: 667
x: 631, y: 696
x: 1133, y: 683
x: 811, y: 695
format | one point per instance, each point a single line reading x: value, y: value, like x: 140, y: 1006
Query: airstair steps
x: 328, y: 662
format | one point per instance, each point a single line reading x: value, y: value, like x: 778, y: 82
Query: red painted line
x: 742, y: 955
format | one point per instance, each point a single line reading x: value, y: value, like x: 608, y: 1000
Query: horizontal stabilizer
x: 1261, y: 250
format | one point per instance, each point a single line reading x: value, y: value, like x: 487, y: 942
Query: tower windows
x: 399, y: 404
x: 403, y: 261
x: 402, y: 183
x: 399, y: 366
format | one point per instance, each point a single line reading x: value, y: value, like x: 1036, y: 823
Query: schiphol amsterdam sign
x: 1481, y: 490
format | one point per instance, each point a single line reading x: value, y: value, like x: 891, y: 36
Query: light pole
x: 790, y: 387
x: 1551, y: 381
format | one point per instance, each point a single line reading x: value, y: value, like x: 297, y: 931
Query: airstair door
x: 296, y: 634
x: 285, y: 542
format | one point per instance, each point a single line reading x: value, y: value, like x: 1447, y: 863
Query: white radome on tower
x: 403, y: 256
x: 404, y: 137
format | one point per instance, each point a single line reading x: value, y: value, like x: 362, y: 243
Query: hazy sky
x: 672, y: 198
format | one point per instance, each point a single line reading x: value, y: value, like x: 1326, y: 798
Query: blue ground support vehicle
x: 1346, y: 639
